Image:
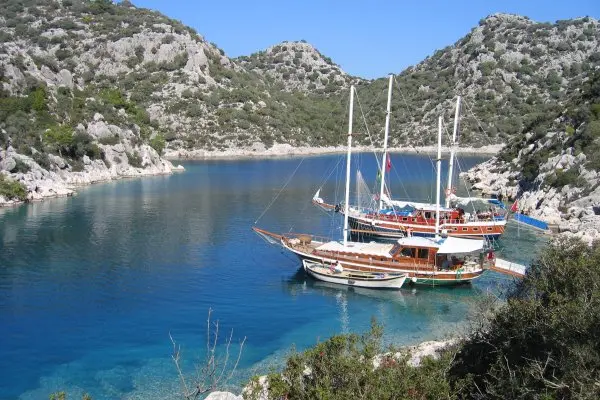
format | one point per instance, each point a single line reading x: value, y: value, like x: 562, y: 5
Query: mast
x: 346, y: 206
x: 438, y: 178
x: 385, y: 142
x: 452, y: 151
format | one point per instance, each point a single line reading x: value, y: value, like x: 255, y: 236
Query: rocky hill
x: 552, y: 168
x: 79, y: 75
x: 299, y: 67
x: 507, y: 69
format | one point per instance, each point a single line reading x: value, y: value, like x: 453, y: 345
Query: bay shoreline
x: 285, y: 150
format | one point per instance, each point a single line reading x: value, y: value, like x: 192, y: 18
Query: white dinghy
x: 334, y: 273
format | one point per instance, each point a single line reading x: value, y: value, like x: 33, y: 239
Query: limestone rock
x: 223, y: 396
x: 99, y: 129
x: 8, y: 164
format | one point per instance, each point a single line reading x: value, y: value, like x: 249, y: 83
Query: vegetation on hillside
x: 12, y: 190
x: 573, y: 129
x: 175, y: 85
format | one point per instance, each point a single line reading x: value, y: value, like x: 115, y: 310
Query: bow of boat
x: 273, y: 238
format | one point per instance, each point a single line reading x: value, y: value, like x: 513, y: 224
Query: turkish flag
x: 388, y: 165
x: 514, y: 207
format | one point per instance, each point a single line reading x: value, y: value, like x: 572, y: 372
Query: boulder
x: 64, y: 78
x: 58, y: 161
x: 99, y: 129
x: 8, y: 164
x: 223, y: 396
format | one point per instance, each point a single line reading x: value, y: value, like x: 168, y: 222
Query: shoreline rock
x: 286, y: 150
x: 59, y: 180
x: 561, y: 207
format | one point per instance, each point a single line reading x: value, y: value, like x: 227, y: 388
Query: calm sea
x: 92, y: 286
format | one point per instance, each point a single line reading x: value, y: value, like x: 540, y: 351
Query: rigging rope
x: 280, y: 190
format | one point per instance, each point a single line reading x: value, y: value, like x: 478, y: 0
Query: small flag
x: 514, y: 207
x: 388, y: 165
x: 378, y: 176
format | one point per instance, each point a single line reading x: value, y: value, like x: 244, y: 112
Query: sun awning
x: 452, y: 245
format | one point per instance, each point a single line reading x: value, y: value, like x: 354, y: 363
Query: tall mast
x: 385, y: 142
x: 438, y: 178
x: 346, y: 205
x: 452, y: 151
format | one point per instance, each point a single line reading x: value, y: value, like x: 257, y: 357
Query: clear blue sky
x: 366, y: 38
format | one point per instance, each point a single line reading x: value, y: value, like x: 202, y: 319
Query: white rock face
x: 582, y: 218
x: 223, y: 396
x: 60, y: 180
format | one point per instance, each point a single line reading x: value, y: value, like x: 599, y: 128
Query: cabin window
x: 475, y: 228
x: 427, y: 215
x: 414, y: 220
x: 404, y: 219
x: 454, y: 228
x: 423, y: 253
x: 408, y: 252
x: 465, y: 229
x: 489, y: 228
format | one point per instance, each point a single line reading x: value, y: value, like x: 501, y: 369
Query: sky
x: 369, y: 39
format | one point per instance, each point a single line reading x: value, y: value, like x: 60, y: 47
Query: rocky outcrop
x: 223, y: 396
x: 574, y: 215
x: 61, y: 176
x: 299, y: 67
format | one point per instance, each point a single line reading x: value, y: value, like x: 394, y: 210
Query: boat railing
x: 304, y: 238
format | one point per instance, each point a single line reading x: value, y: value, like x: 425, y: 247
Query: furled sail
x: 364, y: 197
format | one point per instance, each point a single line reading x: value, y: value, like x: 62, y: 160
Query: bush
x: 20, y: 167
x: 110, y: 140
x: 342, y: 368
x: 12, y: 190
x: 158, y: 143
x: 544, y: 343
x: 42, y: 160
x: 134, y: 159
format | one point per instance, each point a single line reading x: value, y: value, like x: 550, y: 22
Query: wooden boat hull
x: 416, y: 274
x: 352, y: 278
x: 394, y: 230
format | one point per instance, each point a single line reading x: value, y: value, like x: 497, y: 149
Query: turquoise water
x: 92, y: 286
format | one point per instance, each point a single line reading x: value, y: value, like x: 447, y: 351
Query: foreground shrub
x: 544, y: 343
x: 342, y: 368
x: 12, y: 190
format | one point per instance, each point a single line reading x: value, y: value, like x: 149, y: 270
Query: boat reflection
x: 412, y: 296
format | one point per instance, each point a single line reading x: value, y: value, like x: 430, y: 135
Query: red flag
x: 388, y: 165
x: 514, y: 207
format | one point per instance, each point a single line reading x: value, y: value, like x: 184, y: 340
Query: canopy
x: 419, y: 206
x: 452, y: 245
x: 463, y: 201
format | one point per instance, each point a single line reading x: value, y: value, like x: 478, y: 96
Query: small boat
x: 335, y: 274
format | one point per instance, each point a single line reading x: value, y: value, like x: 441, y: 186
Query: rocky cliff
x: 551, y: 169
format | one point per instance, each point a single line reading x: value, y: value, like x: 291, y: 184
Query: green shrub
x: 42, y: 160
x: 12, y: 190
x: 342, y: 368
x: 135, y: 160
x: 20, y: 166
x: 110, y: 140
x: 544, y: 343
x: 60, y: 137
x: 158, y: 143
